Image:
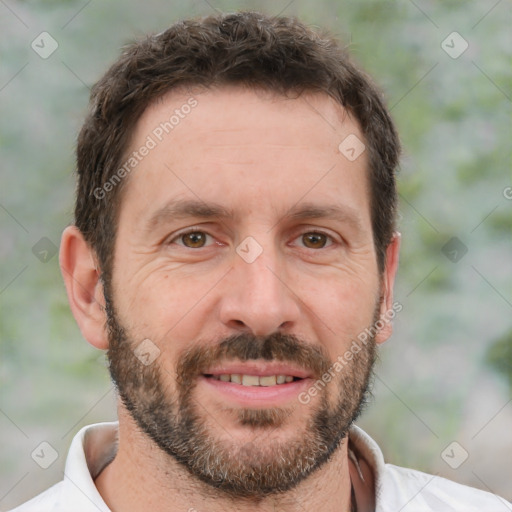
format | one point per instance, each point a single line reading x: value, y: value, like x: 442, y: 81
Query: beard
x: 179, y: 426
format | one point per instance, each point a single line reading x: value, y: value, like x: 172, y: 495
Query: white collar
x: 95, y: 446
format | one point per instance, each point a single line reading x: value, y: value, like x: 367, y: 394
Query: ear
x: 81, y: 275
x: 388, y: 310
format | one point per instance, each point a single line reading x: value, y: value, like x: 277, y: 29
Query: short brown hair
x: 250, y: 49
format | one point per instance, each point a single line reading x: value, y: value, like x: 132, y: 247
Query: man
x: 234, y: 250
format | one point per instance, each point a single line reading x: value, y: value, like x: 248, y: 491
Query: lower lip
x: 257, y: 396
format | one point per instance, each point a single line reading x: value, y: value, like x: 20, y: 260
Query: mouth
x: 257, y: 384
x: 257, y: 373
x: 254, y: 380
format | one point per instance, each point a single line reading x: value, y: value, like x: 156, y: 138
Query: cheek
x: 159, y: 306
x: 339, y: 309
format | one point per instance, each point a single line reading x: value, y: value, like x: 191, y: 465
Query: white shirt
x: 396, y: 489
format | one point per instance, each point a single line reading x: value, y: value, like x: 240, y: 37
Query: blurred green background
x: 446, y: 374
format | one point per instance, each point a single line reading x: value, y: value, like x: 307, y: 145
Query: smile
x: 257, y: 383
x: 253, y: 380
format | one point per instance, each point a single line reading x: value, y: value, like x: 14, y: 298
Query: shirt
x: 391, y: 488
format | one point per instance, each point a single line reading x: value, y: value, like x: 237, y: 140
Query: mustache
x: 245, y: 347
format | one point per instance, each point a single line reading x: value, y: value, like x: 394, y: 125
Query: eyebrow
x: 341, y: 213
x: 188, y: 208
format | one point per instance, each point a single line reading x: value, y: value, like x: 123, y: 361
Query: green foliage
x: 499, y: 357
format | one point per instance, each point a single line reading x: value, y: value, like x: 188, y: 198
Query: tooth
x: 288, y: 378
x: 225, y: 377
x: 270, y: 380
x: 250, y: 380
x: 236, y: 377
x: 281, y: 379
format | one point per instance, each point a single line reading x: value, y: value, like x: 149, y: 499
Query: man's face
x: 244, y: 258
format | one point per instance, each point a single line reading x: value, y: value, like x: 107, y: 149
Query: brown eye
x: 314, y: 240
x: 194, y: 239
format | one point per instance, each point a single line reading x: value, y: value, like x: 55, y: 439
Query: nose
x: 258, y: 297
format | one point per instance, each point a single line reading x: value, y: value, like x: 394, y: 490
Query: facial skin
x: 293, y: 310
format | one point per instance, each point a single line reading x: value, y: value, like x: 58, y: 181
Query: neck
x: 142, y: 477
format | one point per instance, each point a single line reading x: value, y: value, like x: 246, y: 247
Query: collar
x: 95, y: 446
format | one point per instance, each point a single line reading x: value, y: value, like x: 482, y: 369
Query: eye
x: 316, y: 240
x: 192, y: 239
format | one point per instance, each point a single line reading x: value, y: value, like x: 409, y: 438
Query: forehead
x: 214, y: 116
x: 247, y: 149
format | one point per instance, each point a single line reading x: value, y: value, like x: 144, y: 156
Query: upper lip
x: 261, y: 369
